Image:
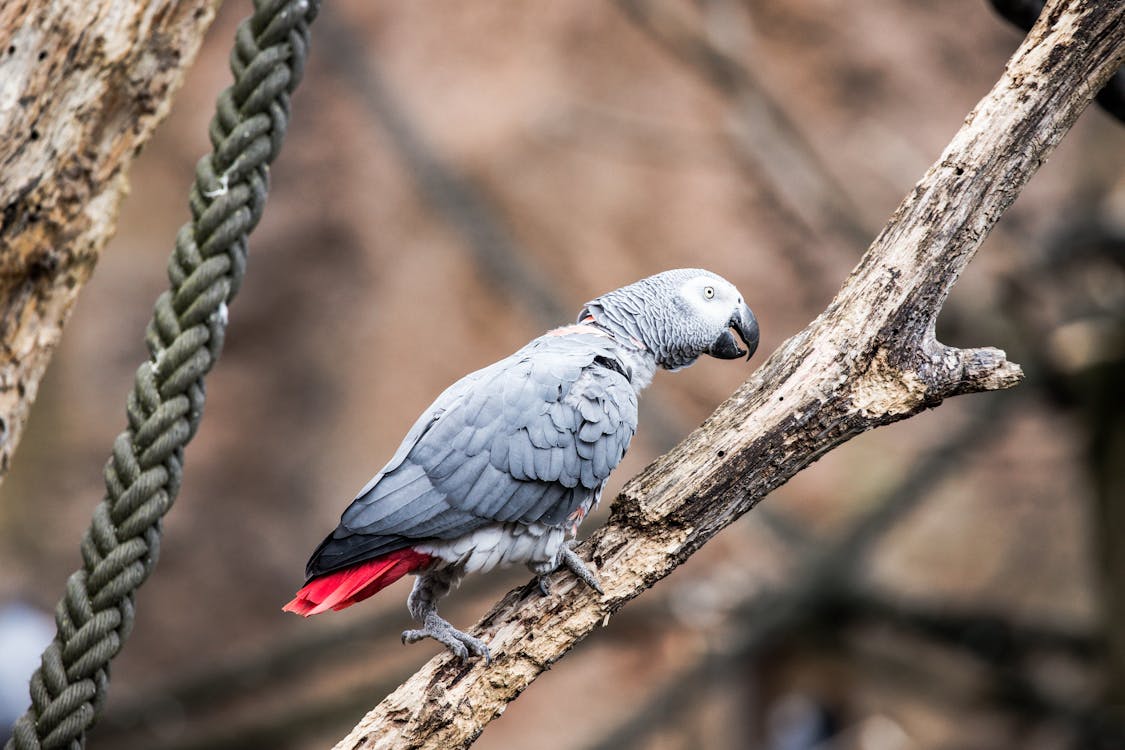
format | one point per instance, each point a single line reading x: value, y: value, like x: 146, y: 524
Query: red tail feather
x: 343, y: 588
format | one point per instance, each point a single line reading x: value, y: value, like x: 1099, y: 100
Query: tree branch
x: 824, y: 578
x: 82, y: 86
x: 870, y: 359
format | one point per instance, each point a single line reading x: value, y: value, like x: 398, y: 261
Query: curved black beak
x: 746, y: 326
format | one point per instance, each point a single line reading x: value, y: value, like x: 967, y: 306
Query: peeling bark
x: 870, y: 359
x: 82, y: 86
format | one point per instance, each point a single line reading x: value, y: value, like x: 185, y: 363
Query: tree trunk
x: 82, y: 86
x: 870, y: 359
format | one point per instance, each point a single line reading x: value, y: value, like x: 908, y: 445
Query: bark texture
x: 82, y: 86
x: 870, y: 359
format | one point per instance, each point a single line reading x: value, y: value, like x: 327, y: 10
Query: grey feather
x: 572, y: 468
x: 492, y: 489
x: 601, y: 458
x: 584, y: 449
x: 498, y: 452
x: 410, y: 514
x: 590, y: 432
x: 555, y: 500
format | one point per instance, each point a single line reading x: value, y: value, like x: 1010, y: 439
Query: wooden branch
x: 825, y: 576
x: 82, y: 86
x: 870, y: 359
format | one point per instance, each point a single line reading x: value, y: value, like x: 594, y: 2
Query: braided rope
x: 185, y: 336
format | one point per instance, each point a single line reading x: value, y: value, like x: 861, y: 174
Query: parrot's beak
x: 745, y: 325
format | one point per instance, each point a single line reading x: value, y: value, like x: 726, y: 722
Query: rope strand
x: 184, y: 338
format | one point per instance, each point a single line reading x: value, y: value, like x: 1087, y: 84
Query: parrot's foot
x: 570, y: 560
x: 461, y: 644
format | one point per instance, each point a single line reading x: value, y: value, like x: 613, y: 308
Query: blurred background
x: 460, y: 177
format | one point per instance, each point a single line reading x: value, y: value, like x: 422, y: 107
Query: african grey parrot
x: 506, y: 463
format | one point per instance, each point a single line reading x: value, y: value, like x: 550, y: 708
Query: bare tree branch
x: 1023, y: 13
x: 826, y: 577
x: 84, y: 87
x: 870, y: 359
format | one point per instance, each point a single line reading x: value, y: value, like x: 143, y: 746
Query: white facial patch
x: 714, y: 308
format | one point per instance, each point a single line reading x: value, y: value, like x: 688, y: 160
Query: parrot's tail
x: 343, y: 588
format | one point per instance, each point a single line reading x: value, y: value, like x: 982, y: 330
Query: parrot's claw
x: 461, y: 644
x: 570, y: 559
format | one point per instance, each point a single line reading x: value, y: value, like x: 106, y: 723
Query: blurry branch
x: 1009, y: 649
x: 505, y: 265
x: 811, y: 607
x: 870, y: 359
x: 1085, y: 265
x: 278, y: 729
x: 837, y: 565
x: 823, y: 581
x: 1089, y: 249
x: 679, y: 695
x: 990, y: 636
x: 65, y: 152
x: 766, y: 144
x: 792, y: 532
x: 767, y: 141
x: 1016, y: 692
x: 1093, y: 255
x: 1003, y: 645
x: 497, y: 254
x: 753, y: 627
x: 1104, y: 412
x: 213, y: 687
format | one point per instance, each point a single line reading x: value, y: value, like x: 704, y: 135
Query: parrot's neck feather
x: 641, y: 364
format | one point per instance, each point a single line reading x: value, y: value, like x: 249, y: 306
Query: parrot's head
x: 678, y: 315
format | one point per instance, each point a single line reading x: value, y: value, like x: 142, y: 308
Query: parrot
x: 503, y: 467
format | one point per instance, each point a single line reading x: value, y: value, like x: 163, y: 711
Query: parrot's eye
x: 709, y: 292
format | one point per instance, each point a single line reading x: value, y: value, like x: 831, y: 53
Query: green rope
x: 184, y: 338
